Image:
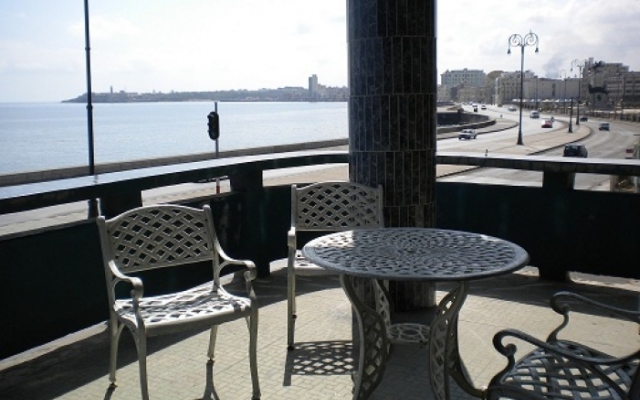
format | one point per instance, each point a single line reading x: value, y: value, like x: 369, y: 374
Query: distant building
x: 466, y: 77
x: 313, y: 87
x: 507, y: 86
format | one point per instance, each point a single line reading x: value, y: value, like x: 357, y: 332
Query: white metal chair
x: 325, y: 207
x: 560, y: 369
x: 161, y: 236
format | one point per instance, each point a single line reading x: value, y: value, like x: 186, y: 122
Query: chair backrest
x: 336, y: 206
x: 158, y: 236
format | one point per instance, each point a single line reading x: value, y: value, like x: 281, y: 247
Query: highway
x: 600, y: 144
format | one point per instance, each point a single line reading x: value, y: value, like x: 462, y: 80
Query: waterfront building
x: 313, y: 87
x: 467, y: 77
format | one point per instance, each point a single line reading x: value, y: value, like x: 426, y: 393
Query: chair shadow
x: 209, y: 389
x: 320, y: 358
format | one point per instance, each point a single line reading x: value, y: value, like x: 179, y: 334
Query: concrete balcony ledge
x: 42, y: 194
x: 35, y: 195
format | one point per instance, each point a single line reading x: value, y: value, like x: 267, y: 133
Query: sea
x: 43, y: 136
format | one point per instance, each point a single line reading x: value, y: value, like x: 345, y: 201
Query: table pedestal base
x: 374, y: 340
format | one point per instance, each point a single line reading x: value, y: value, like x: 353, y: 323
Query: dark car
x: 584, y: 119
x: 604, y: 126
x: 467, y: 134
x: 575, y: 150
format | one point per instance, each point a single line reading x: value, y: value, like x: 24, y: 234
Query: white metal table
x: 412, y: 254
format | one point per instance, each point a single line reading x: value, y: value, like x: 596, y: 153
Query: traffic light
x: 214, y: 125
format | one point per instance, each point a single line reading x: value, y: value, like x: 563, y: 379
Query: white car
x: 467, y: 134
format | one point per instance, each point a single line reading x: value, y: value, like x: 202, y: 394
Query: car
x: 483, y: 107
x: 604, y: 126
x: 512, y: 108
x: 547, y: 123
x: 534, y: 114
x: 575, y: 150
x: 467, y: 134
x: 584, y: 118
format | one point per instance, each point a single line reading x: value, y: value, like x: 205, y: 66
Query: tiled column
x: 392, y: 110
x: 392, y: 104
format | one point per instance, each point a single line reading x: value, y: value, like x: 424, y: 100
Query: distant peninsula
x: 280, y: 94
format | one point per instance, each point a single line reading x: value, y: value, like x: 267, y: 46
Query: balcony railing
x: 563, y: 229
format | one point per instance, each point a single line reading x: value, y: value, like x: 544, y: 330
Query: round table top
x: 415, y: 254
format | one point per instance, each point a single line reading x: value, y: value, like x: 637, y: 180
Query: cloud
x: 220, y: 44
x: 105, y: 28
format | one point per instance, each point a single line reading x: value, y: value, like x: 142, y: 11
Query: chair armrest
x: 560, y: 304
x: 510, y: 349
x: 250, y: 271
x: 552, y: 360
x: 561, y: 301
x: 137, y: 287
x: 291, y: 238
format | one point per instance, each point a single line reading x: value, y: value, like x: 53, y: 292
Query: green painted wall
x: 52, y: 281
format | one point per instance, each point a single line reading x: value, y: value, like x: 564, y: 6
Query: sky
x: 207, y: 45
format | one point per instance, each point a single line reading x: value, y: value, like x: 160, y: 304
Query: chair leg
x: 115, y: 328
x: 141, y: 344
x: 291, y: 307
x: 212, y: 342
x: 253, y: 350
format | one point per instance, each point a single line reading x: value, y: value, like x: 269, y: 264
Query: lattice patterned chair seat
x: 162, y: 236
x: 325, y: 207
x: 562, y: 369
x: 195, y: 305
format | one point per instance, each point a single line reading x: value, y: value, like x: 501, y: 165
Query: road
x: 600, y: 144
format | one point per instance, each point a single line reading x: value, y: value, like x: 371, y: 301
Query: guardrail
x: 59, y: 269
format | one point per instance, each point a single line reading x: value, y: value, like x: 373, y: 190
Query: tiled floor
x: 321, y: 366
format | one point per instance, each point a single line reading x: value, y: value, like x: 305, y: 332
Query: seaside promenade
x: 76, y: 367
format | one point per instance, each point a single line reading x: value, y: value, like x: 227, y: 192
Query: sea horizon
x: 37, y: 136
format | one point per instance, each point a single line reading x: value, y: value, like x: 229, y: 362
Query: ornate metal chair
x: 325, y: 207
x: 562, y: 369
x: 162, y: 236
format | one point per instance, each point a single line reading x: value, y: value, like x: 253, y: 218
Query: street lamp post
x: 530, y: 39
x: 622, y: 90
x: 504, y: 93
x: 571, y: 117
x: 564, y: 96
x: 537, y: 102
x: 593, y: 70
x: 580, y: 65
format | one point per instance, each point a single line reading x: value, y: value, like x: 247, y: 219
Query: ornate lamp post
x: 530, y: 39
x: 580, y: 65
x: 622, y: 90
x: 564, y: 96
x: 571, y: 117
x: 537, y: 101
